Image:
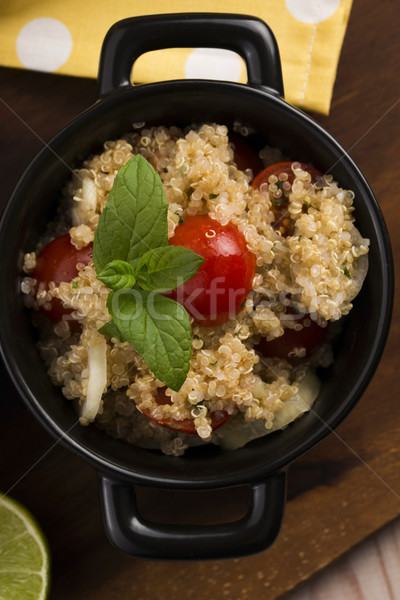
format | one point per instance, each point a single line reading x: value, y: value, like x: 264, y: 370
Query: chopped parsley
x: 279, y: 201
x: 213, y: 196
x: 346, y: 271
x: 306, y: 204
x: 74, y: 285
x: 180, y: 218
x: 189, y: 191
x: 282, y: 199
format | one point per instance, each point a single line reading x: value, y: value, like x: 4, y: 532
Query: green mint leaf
x: 158, y: 328
x: 111, y: 330
x: 117, y: 275
x: 134, y: 219
x: 166, y: 268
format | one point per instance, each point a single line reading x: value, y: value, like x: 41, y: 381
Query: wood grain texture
x: 369, y: 572
x: 341, y: 491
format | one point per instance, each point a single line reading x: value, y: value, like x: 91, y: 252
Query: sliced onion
x: 97, y: 381
x: 361, y: 264
x: 86, y: 207
x: 236, y: 433
x: 358, y: 280
x: 293, y: 408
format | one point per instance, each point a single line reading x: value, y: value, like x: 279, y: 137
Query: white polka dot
x: 213, y: 63
x: 44, y: 44
x: 312, y: 11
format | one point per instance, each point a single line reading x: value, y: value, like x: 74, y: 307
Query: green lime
x: 24, y: 555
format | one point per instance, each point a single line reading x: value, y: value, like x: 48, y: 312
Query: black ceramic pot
x: 259, y: 104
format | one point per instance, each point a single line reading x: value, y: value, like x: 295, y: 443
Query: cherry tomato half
x: 218, y: 417
x: 57, y: 262
x: 284, y: 167
x: 283, y: 222
x: 219, y: 288
x: 309, y: 338
x: 244, y: 155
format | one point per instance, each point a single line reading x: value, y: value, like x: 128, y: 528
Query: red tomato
x: 283, y: 222
x: 244, y: 155
x: 309, y: 338
x: 57, y: 262
x: 219, y: 288
x: 218, y: 417
x: 284, y: 167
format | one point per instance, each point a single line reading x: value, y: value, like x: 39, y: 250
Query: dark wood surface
x: 341, y: 491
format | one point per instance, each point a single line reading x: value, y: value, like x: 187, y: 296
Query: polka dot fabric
x: 61, y: 37
x: 35, y: 40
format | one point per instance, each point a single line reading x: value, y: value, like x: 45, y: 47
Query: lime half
x: 24, y: 555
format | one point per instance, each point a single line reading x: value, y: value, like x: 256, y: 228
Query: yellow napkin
x: 65, y: 36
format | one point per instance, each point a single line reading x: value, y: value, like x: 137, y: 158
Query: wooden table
x: 341, y: 491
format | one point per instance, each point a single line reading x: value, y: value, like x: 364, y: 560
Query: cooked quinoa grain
x: 318, y: 269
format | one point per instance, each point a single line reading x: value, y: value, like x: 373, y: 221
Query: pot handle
x: 248, y: 36
x: 135, y: 536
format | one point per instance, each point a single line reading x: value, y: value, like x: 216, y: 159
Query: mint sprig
x: 117, y: 275
x: 111, y: 330
x: 163, y: 269
x: 135, y: 216
x: 160, y: 329
x: 132, y: 257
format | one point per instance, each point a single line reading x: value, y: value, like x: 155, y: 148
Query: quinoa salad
x: 309, y: 262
